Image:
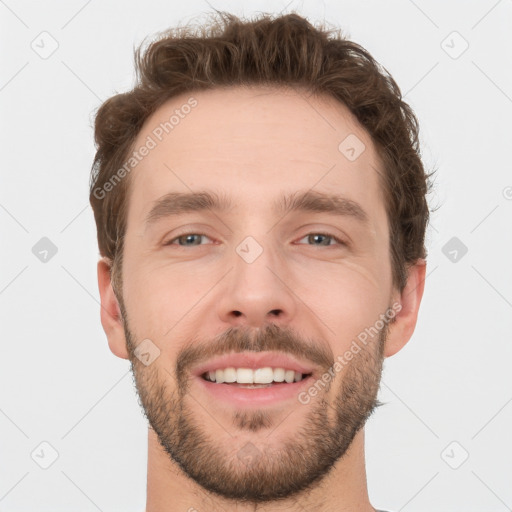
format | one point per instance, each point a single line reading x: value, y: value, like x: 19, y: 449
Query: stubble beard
x: 254, y: 470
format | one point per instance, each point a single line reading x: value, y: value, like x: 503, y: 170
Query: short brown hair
x: 282, y: 51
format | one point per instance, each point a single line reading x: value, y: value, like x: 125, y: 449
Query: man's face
x: 283, y: 289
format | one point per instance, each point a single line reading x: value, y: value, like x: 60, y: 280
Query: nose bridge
x: 255, y: 291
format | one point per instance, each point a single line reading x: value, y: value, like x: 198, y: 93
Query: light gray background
x: 60, y: 384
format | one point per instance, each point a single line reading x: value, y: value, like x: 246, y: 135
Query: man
x: 261, y: 211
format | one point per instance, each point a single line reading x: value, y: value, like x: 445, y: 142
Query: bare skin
x: 254, y: 145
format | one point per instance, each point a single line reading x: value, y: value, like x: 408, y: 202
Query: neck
x: 344, y: 489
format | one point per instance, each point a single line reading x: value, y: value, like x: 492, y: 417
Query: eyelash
x: 328, y: 235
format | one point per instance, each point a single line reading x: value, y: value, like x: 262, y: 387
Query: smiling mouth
x: 252, y: 379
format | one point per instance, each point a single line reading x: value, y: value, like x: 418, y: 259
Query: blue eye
x: 325, y: 236
x: 184, y: 239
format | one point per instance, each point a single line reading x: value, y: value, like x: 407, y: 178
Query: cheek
x: 346, y: 298
x: 160, y: 297
x: 148, y: 309
x: 352, y: 281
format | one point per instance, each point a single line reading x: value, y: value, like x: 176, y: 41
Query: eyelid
x: 338, y: 239
x: 189, y: 229
x: 187, y: 233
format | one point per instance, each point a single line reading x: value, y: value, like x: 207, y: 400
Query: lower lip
x: 247, y: 397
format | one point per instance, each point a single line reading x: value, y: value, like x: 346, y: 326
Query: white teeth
x: 278, y: 374
x: 244, y: 376
x: 265, y: 375
x: 230, y: 375
x: 289, y: 375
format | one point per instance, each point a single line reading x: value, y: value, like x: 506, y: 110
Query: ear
x: 400, y: 331
x: 111, y: 319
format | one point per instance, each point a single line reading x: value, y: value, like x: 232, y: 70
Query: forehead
x: 253, y: 144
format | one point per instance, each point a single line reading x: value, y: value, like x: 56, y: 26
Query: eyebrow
x: 176, y: 203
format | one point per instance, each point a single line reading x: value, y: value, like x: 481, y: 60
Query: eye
x: 185, y: 238
x: 194, y: 239
x: 323, y: 237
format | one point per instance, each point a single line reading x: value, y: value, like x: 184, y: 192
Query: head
x: 259, y: 191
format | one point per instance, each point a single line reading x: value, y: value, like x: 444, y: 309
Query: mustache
x: 242, y: 339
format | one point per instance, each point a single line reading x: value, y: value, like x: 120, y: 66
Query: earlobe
x: 401, y: 330
x: 111, y: 318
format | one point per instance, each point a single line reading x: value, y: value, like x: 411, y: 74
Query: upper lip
x: 253, y: 360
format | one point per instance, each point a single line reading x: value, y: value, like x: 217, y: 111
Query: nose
x: 257, y: 293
